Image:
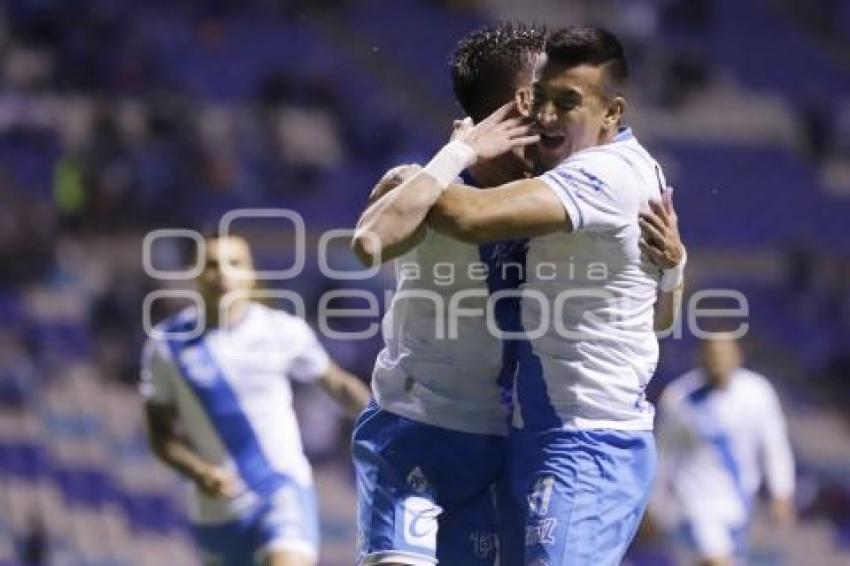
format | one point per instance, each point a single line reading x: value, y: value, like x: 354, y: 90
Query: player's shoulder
x: 682, y: 387
x: 156, y: 348
x: 594, y: 165
x: 278, y: 320
x: 615, y: 165
x: 751, y: 382
x: 623, y: 152
x: 185, y: 320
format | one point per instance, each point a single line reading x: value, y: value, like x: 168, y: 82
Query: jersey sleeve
x: 157, y: 374
x: 311, y: 361
x: 585, y: 185
x: 776, y: 449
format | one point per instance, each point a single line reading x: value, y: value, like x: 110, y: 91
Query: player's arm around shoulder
x: 395, y: 222
x: 524, y: 208
x: 392, y: 223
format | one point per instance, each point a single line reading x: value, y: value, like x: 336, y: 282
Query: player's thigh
x: 468, y: 534
x: 582, y: 495
x: 396, y: 509
x: 287, y: 530
x: 510, y: 523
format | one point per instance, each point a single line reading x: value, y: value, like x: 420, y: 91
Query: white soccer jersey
x: 717, y: 445
x: 589, y: 297
x: 440, y: 364
x: 231, y: 390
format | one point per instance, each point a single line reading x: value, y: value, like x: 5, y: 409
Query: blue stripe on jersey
x: 723, y: 447
x: 534, y: 402
x: 721, y: 444
x: 505, y: 262
x: 506, y: 269
x: 206, y: 379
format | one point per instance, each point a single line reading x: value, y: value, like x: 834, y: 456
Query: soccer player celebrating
x: 720, y: 433
x: 582, y: 454
x: 219, y: 412
x: 429, y: 449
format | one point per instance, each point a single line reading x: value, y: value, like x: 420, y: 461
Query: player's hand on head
x: 659, y: 227
x: 500, y: 132
x: 461, y: 128
x: 219, y: 482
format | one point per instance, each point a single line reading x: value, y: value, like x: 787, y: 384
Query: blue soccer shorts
x: 575, y: 497
x: 425, y: 494
x: 288, y: 521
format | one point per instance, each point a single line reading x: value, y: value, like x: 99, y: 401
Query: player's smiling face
x: 571, y: 110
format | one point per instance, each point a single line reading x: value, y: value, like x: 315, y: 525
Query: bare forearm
x: 180, y: 457
x: 395, y: 219
x: 353, y: 398
x: 346, y: 390
x: 525, y: 208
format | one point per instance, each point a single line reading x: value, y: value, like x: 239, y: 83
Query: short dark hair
x: 486, y: 64
x: 576, y: 46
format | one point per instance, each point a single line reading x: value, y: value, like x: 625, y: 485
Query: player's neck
x: 607, y: 136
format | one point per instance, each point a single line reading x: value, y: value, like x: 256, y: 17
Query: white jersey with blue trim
x: 589, y: 297
x: 717, y: 445
x: 231, y: 391
x: 440, y: 364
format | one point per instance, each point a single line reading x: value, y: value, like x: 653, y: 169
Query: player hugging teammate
x: 536, y: 438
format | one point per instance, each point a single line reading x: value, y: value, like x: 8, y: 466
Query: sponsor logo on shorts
x: 420, y: 522
x: 417, y: 480
x: 541, y: 532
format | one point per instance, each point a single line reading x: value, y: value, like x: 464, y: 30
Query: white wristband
x: 675, y: 276
x: 450, y: 162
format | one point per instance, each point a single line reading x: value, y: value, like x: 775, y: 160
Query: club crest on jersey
x: 417, y: 480
x: 197, y: 365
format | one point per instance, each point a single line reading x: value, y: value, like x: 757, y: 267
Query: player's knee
x: 714, y: 561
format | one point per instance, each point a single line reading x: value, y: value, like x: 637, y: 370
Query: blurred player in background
x: 430, y: 448
x: 721, y: 432
x: 219, y: 412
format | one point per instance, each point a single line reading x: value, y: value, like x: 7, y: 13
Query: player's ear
x: 614, y: 113
x: 523, y: 101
